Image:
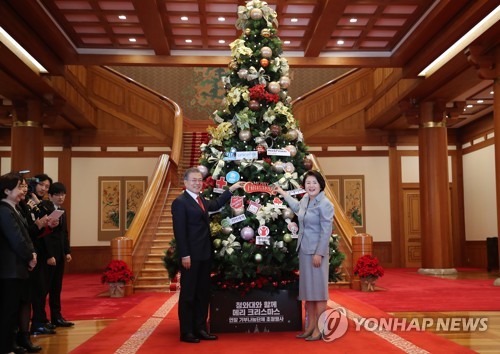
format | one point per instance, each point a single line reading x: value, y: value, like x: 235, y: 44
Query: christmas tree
x: 256, y: 140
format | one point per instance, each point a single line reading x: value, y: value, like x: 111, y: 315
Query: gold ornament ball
x: 279, y: 166
x: 227, y: 230
x: 274, y: 87
x: 285, y: 82
x: 266, y: 52
x: 238, y: 211
x: 256, y: 14
x: 288, y: 213
x: 292, y: 149
x: 254, y: 105
x: 292, y: 134
x: 287, y: 238
x: 217, y: 243
x: 264, y: 62
x: 248, y: 31
x: 266, y: 32
x: 307, y: 164
x: 245, y: 135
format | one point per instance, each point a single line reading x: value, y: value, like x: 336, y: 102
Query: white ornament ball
x: 258, y: 257
x: 256, y: 14
x: 274, y: 87
x: 288, y: 213
x: 285, y: 82
x: 203, y: 170
x: 289, y: 167
x: 247, y: 233
x: 292, y: 149
x: 245, y: 135
x: 242, y: 73
x: 227, y: 230
x: 266, y: 52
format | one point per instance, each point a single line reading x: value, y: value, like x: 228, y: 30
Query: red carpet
x: 84, y: 298
x: 406, y: 290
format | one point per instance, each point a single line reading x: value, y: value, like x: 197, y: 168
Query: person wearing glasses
x: 17, y: 258
x: 194, y: 247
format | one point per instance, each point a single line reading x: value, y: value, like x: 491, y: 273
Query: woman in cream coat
x: 315, y: 214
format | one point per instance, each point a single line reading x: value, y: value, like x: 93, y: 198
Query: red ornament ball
x: 307, y: 163
x: 264, y: 62
x: 261, y: 149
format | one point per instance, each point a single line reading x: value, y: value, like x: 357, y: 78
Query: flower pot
x: 368, y: 284
x: 117, y: 289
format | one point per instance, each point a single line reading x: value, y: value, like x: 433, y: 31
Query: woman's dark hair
x: 319, y: 177
x: 43, y: 177
x: 9, y: 181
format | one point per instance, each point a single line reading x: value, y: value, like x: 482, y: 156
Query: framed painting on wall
x: 350, y: 193
x: 119, y: 200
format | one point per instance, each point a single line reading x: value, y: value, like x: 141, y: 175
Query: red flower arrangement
x: 117, y: 271
x: 368, y: 267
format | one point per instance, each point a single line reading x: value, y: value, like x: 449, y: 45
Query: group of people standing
x: 34, y: 247
x: 192, y: 234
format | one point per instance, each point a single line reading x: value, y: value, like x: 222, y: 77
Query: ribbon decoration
x: 244, y: 14
x: 254, y: 74
x: 217, y: 158
x: 278, y: 244
x: 262, y: 138
x: 268, y: 212
x: 229, y: 245
x: 258, y: 164
x: 216, y: 118
x: 289, y: 178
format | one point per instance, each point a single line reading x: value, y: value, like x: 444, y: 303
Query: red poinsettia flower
x: 117, y: 271
x: 368, y: 267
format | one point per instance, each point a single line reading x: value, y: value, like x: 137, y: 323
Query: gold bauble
x: 266, y: 32
x: 248, y: 31
x: 256, y: 14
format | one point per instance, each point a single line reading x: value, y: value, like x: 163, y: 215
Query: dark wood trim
x: 89, y: 259
x: 383, y: 251
x: 394, y: 200
x: 475, y: 254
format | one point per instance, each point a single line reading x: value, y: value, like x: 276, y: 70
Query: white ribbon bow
x: 229, y: 245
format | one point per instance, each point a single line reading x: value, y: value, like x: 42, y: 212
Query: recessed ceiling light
x: 492, y: 92
x: 353, y: 20
x: 340, y: 42
x: 221, y: 41
x: 221, y: 19
x: 480, y: 101
x: 189, y: 41
x: 122, y: 17
x: 294, y: 20
x: 184, y: 18
x: 286, y: 42
x: 470, y: 106
x: 132, y: 40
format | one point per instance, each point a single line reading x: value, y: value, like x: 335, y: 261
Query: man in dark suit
x: 194, y: 247
x: 58, y: 252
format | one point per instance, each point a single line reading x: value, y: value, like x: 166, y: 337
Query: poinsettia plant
x: 117, y: 271
x: 368, y: 266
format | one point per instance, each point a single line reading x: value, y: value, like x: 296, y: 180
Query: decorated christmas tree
x: 257, y: 140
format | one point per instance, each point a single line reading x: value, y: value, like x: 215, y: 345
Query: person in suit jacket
x: 315, y: 213
x: 17, y: 258
x: 194, y: 247
x: 58, y: 253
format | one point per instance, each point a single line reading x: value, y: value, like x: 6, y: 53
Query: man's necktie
x: 200, y: 203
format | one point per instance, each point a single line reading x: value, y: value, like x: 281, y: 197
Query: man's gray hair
x: 189, y: 171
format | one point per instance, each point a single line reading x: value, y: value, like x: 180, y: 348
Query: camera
x: 32, y: 182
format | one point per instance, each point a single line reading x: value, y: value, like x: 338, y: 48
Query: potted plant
x: 369, y: 270
x: 117, y: 274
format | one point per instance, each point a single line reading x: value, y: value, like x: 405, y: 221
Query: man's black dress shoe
x: 61, y: 322
x: 189, y: 338
x: 49, y: 325
x: 206, y: 336
x: 42, y: 330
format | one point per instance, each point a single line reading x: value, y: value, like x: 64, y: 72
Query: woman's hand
x: 317, y: 260
x: 237, y: 185
x: 278, y: 189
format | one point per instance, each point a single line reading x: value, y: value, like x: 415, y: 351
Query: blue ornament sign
x: 232, y: 177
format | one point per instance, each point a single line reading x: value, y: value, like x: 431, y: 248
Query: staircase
x: 154, y: 276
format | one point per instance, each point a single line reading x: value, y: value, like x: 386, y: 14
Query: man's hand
x: 186, y: 262
x: 51, y: 261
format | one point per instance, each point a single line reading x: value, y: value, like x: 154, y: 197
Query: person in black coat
x: 57, y: 253
x: 17, y: 258
x: 194, y: 247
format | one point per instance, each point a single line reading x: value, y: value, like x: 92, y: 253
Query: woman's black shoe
x: 24, y: 340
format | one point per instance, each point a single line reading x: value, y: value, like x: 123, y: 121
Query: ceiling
x: 316, y: 33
